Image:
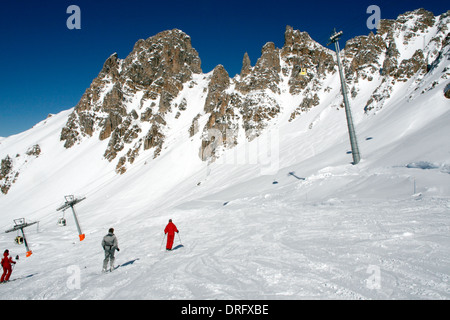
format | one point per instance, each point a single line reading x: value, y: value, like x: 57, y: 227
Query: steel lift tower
x: 351, y: 130
x: 20, y: 224
x: 70, y: 203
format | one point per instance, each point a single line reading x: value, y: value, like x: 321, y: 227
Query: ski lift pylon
x: 21, y: 224
x: 70, y: 203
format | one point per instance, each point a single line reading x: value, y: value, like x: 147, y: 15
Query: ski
x: 175, y: 248
x: 120, y: 266
x: 20, y: 278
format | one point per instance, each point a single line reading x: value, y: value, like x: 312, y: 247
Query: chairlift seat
x: 62, y: 222
x: 19, y: 240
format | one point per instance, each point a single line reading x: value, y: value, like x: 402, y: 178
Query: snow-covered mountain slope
x: 276, y: 211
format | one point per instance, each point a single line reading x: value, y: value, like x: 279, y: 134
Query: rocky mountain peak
x: 401, y: 49
x: 295, y: 39
x: 158, y: 95
x: 306, y: 63
x: 155, y: 70
x: 168, y: 54
x: 417, y: 20
x: 132, y: 100
x: 265, y: 73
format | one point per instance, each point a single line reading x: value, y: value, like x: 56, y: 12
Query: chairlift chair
x: 18, y: 240
x: 62, y: 222
x: 19, y: 225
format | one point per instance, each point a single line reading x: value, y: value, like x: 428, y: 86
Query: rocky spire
x: 265, y: 74
x: 217, y: 105
x: 246, y: 65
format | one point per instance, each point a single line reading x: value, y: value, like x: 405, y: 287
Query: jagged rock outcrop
x: 306, y: 63
x: 157, y: 96
x: 265, y: 74
x: 152, y: 75
x: 246, y: 65
x: 305, y: 59
x: 447, y: 91
x: 34, y: 151
x: 5, y: 174
x: 388, y: 54
x: 221, y: 114
x: 133, y: 102
x: 10, y: 168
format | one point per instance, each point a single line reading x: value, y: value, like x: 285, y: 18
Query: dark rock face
x: 133, y: 102
x: 221, y: 114
x: 10, y: 168
x: 246, y: 65
x: 264, y: 75
x: 305, y: 59
x: 306, y: 63
x: 158, y: 68
x: 447, y: 91
x: 141, y: 104
x: 380, y: 54
x: 5, y: 170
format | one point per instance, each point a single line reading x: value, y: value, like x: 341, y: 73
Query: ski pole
x: 179, y: 238
x: 162, y: 242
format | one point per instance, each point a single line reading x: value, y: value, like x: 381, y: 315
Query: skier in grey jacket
x: 110, y: 245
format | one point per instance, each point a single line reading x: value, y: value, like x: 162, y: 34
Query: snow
x: 317, y: 227
x: 329, y: 236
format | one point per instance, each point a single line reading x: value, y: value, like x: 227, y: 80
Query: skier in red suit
x: 6, y: 264
x: 170, y: 231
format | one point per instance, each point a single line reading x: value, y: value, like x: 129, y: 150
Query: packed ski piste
x: 283, y: 214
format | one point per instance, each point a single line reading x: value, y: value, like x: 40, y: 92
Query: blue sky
x: 45, y: 67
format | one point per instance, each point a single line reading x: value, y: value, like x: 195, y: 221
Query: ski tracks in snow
x: 268, y: 247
